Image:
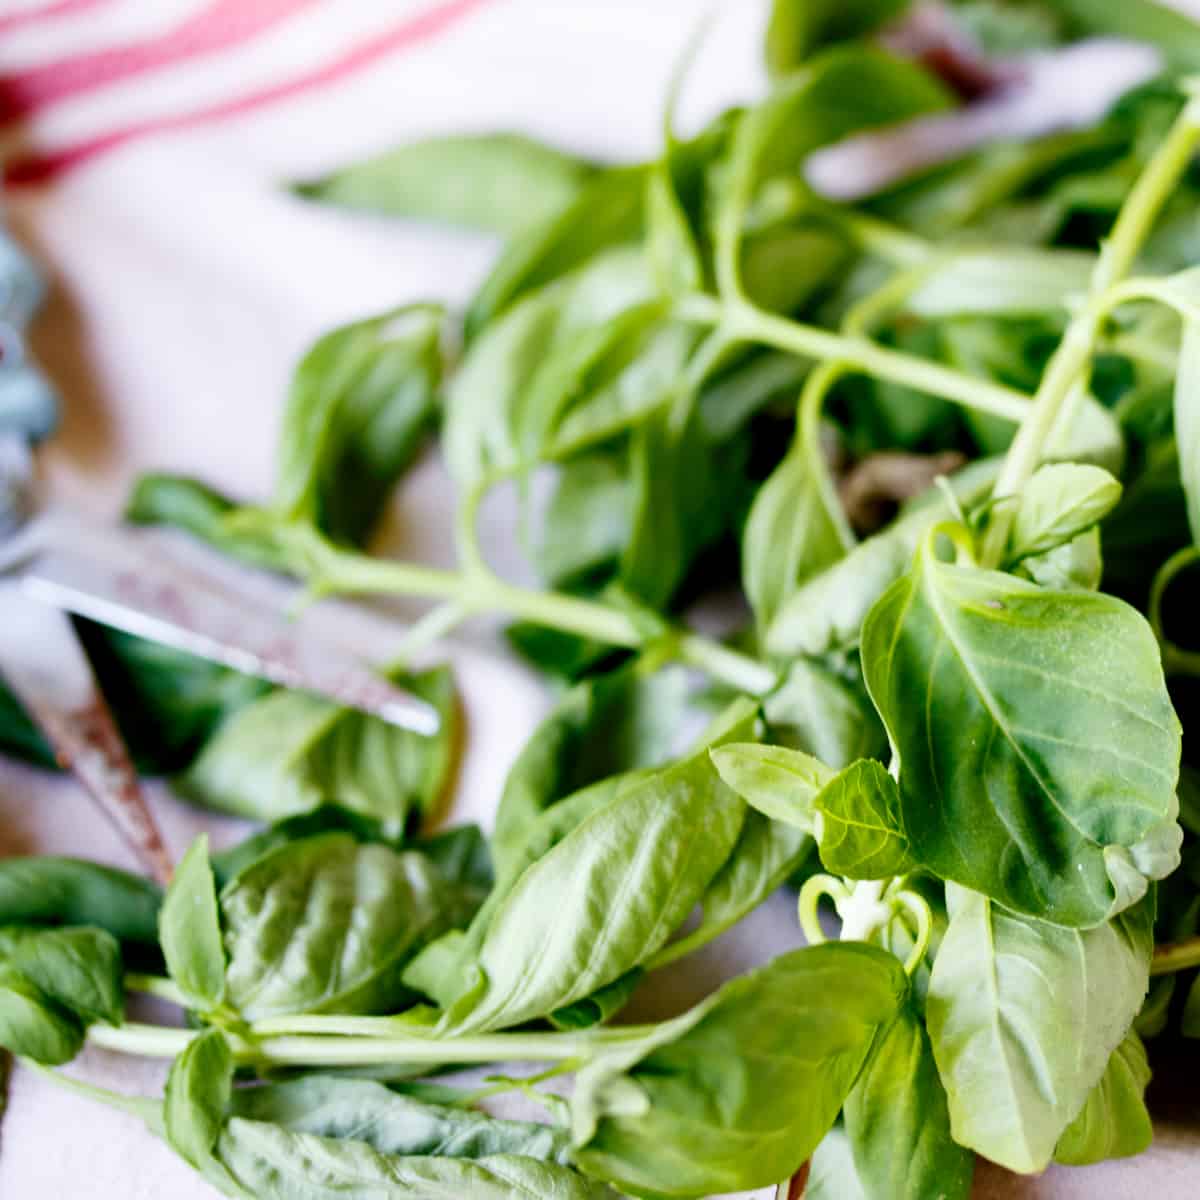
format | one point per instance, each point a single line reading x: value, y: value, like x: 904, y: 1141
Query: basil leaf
x: 781, y: 783
x: 361, y: 401
x: 797, y: 28
x: 1175, y: 34
x: 1024, y: 687
x: 194, y: 507
x: 198, y: 1093
x: 69, y: 891
x: 587, y: 519
x: 53, y: 984
x: 326, y: 925
x: 828, y: 611
x: 768, y: 853
x: 497, y: 182
x: 1011, y: 282
x: 738, y: 1092
x: 271, y: 1163
x: 562, y: 342
x: 621, y: 881
x: 33, y: 1026
x: 1114, y: 1122
x: 796, y: 525
x: 603, y: 1003
x: 898, y: 1123
x: 291, y: 752
x: 841, y: 92
x: 190, y: 930
x: 825, y: 713
x: 391, y: 1124
x: 861, y: 831
x: 605, y: 213
x: 640, y: 712
x: 1020, y: 1030
x: 1074, y: 565
x: 832, y: 1174
x: 1187, y: 421
x: 1059, y: 503
x: 77, y: 969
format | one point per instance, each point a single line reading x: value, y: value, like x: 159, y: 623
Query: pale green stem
x: 1070, y: 362
x: 347, y: 572
x: 156, y: 985
x: 1175, y: 956
x: 741, y: 320
x: 150, y: 1041
x: 139, y: 1106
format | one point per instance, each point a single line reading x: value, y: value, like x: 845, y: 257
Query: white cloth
x: 187, y: 281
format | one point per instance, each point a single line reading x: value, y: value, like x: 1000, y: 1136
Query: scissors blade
x: 115, y: 576
x: 45, y: 666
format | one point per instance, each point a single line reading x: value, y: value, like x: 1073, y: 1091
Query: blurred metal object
x: 43, y: 663
x: 53, y: 562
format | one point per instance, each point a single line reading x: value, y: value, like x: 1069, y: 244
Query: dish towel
x: 146, y: 146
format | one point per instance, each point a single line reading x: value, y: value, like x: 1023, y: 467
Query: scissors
x: 54, y: 562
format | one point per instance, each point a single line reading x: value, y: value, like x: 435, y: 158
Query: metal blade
x: 45, y: 666
x: 113, y: 575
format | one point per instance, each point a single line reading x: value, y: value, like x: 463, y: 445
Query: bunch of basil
x: 953, y: 711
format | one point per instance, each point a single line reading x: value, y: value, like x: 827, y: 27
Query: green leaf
x: 77, y: 969
x: 32, y: 1025
x: 326, y: 925
x: 826, y: 713
x: 194, y: 507
x: 1020, y: 691
x: 839, y: 93
x: 605, y: 213
x: 796, y: 525
x: 190, y: 930
x: 1175, y: 34
x: 768, y: 853
x: 291, y: 752
x: 392, y: 1124
x: 688, y: 494
x: 828, y: 611
x: 786, y: 267
x: 587, y: 519
x: 271, y: 1163
x: 1011, y: 281
x: 603, y: 1003
x: 832, y: 1174
x: 620, y: 721
x: 198, y: 1093
x: 861, y: 829
x: 797, y: 28
x: 1114, y: 1122
x: 736, y: 1093
x: 1060, y: 502
x: 559, y: 345
x: 1187, y: 421
x: 780, y: 783
x: 360, y: 403
x: 498, y: 182
x: 1023, y: 1017
x: 898, y: 1123
x: 606, y: 898
x: 167, y: 703
x: 69, y: 891
x: 1076, y: 564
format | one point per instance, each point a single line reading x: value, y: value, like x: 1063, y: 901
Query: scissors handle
x: 45, y: 666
